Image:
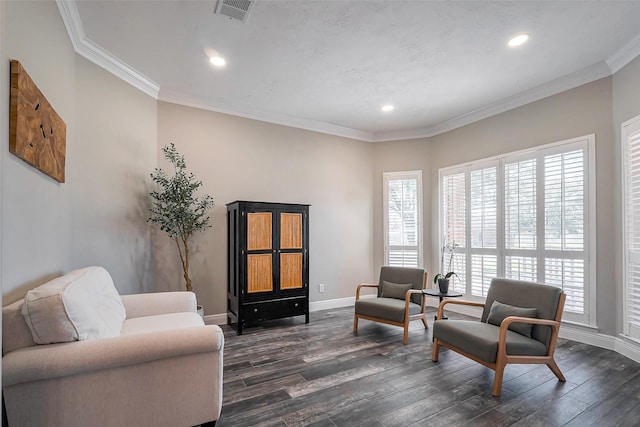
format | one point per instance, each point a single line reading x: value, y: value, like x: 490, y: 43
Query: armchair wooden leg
x: 435, y: 352
x: 497, y: 381
x: 355, y: 324
x: 405, y: 337
x: 556, y: 370
x: 424, y: 322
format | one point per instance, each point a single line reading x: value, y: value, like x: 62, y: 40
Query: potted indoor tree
x: 176, y: 208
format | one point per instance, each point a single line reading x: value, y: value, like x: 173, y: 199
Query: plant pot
x: 443, y: 284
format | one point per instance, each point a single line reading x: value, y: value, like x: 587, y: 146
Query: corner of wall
x: 4, y: 124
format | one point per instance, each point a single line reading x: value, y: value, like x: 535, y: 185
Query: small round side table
x: 441, y: 296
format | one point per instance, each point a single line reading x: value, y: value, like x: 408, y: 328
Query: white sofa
x: 162, y: 368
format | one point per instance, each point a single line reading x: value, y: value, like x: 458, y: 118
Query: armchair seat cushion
x: 481, y: 339
x: 385, y: 308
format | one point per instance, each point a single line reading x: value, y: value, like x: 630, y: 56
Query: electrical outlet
x: 321, y: 287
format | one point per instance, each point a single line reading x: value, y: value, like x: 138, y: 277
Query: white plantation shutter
x: 529, y: 216
x: 484, y: 208
x: 454, y: 215
x: 631, y: 180
x: 564, y: 217
x: 520, y: 220
x: 483, y: 221
x: 520, y: 205
x: 402, y: 218
x: 564, y: 201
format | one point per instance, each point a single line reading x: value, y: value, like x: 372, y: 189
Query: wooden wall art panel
x: 37, y: 134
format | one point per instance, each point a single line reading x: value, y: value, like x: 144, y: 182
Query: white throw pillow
x: 81, y: 305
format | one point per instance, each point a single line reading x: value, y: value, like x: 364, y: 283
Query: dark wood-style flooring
x: 286, y: 373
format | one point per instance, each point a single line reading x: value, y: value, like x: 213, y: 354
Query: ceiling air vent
x: 236, y: 9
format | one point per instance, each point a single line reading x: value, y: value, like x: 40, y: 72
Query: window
x: 631, y: 220
x: 403, y: 218
x: 526, y: 216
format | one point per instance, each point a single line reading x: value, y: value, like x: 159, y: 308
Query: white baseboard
x: 336, y: 303
x: 215, y: 319
x: 585, y: 335
x: 628, y: 348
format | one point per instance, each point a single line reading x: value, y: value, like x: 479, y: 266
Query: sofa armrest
x: 44, y: 362
x: 151, y: 304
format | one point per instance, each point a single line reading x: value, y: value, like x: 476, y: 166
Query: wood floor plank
x: 286, y: 373
x: 555, y: 413
x: 611, y: 411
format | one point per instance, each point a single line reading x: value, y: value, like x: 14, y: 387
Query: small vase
x: 443, y: 284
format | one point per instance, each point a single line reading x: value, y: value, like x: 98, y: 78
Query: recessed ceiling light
x: 518, y: 40
x: 388, y: 108
x: 218, y: 61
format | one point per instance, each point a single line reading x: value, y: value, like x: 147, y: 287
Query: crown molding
x: 94, y: 53
x: 279, y: 119
x: 624, y: 55
x: 561, y: 84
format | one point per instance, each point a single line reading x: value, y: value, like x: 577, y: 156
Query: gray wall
x: 243, y: 159
x: 50, y: 228
x: 36, y: 218
x: 115, y: 151
x: 395, y: 156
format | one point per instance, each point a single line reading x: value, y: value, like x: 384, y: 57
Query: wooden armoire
x: 268, y: 269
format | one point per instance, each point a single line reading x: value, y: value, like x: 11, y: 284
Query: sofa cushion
x: 160, y: 322
x: 394, y: 290
x: 81, y: 305
x: 500, y: 311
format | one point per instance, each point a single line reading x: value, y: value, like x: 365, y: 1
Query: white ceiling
x: 331, y: 65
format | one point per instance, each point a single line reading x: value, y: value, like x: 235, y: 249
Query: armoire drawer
x: 274, y: 309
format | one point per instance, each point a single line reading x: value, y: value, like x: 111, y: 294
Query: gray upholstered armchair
x: 399, y: 299
x: 519, y: 324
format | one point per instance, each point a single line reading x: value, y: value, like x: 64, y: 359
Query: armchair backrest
x: 519, y: 293
x: 403, y: 275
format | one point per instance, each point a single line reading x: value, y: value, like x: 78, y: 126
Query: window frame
x: 386, y: 177
x: 586, y: 143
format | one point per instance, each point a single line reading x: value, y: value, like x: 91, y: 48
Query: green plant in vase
x: 442, y: 280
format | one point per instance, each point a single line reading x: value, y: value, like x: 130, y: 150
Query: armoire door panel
x: 290, y: 230
x: 259, y: 273
x: 259, y: 231
x: 291, y: 271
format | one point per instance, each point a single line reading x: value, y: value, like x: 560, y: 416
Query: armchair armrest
x: 502, y: 338
x: 363, y: 285
x: 458, y: 302
x: 151, y: 304
x: 407, y: 298
x: 43, y: 362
